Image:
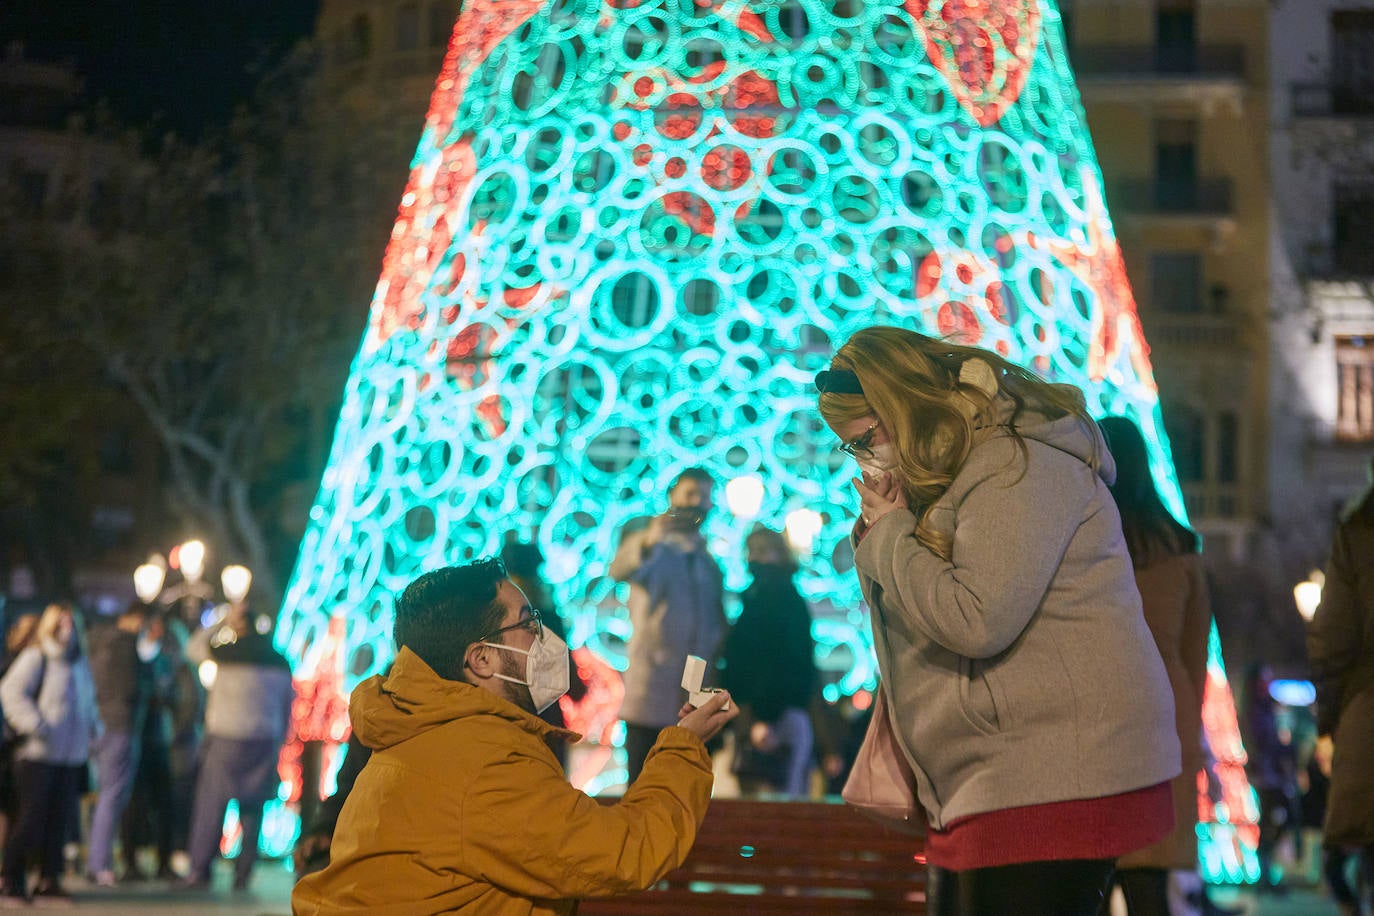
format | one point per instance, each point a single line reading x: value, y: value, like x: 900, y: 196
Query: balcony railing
x: 1175, y: 330
x: 1169, y: 62
x: 1326, y: 100
x: 1214, y: 501
x: 1175, y: 197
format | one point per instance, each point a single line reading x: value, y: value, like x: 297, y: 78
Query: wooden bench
x: 786, y: 857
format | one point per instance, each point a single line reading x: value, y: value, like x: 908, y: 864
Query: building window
x: 441, y: 18
x: 408, y: 27
x: 1176, y: 282
x: 1354, y: 228
x: 1206, y: 449
x: 1176, y: 35
x: 354, y: 42
x: 1175, y: 164
x: 1352, y: 61
x: 1355, y: 384
x: 1066, y: 21
x: 1187, y: 432
x: 1228, y: 447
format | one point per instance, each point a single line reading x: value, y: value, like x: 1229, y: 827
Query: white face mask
x: 880, y: 463
x: 546, y: 669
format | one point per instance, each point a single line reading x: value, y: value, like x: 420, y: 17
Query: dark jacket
x: 123, y: 684
x: 770, y: 661
x: 1340, y: 645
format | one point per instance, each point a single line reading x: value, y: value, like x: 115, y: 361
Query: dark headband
x: 838, y: 381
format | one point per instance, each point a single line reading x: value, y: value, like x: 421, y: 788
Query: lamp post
x: 192, y: 594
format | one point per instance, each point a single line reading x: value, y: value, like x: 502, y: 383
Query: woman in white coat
x: 49, y: 704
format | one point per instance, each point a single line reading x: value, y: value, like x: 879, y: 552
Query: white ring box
x: 693, y: 673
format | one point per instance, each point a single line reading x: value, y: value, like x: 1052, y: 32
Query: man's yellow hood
x: 388, y: 709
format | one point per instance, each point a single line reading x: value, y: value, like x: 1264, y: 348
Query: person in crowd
x: 247, y: 716
x: 150, y: 818
x: 676, y: 608
x: 1340, y: 648
x: 524, y: 562
x: 463, y: 807
x: 1272, y: 768
x: 770, y: 670
x: 188, y: 709
x: 49, y: 702
x: 1173, y: 589
x: 1023, y: 682
x: 123, y: 687
x: 18, y: 637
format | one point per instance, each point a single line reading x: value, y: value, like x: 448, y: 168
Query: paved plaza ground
x: 271, y: 896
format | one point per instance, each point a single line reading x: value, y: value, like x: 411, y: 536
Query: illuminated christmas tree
x: 633, y: 232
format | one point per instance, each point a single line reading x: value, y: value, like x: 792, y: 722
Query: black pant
x: 1074, y: 887
x: 48, y: 797
x: 1146, y: 891
x: 639, y: 740
x: 149, y: 817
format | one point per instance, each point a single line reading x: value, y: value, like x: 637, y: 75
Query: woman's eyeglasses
x: 861, y: 446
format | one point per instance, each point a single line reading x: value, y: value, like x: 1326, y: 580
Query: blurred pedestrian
x: 1021, y: 679
x: 770, y: 670
x: 17, y: 638
x: 49, y: 703
x: 1340, y: 646
x: 1173, y: 590
x: 151, y: 816
x: 676, y: 608
x: 123, y: 687
x: 1272, y: 768
x: 247, y: 716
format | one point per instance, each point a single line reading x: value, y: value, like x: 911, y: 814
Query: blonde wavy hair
x: 47, y: 626
x: 911, y: 384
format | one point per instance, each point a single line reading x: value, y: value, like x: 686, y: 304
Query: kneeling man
x: 463, y: 807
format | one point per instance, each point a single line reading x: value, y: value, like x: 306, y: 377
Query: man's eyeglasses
x: 861, y: 446
x: 534, y: 623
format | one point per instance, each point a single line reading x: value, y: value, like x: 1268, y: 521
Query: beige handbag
x: 881, y: 783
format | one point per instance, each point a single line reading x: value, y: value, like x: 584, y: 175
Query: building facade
x: 1322, y: 269
x: 1177, y: 95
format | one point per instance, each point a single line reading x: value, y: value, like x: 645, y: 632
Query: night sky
x: 184, y: 63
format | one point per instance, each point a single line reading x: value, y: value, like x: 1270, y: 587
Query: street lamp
x: 235, y: 580
x: 802, y: 526
x: 191, y: 557
x: 192, y: 595
x: 744, y: 496
x: 148, y: 580
x: 1307, y: 595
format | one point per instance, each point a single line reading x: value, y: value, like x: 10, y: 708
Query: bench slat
x: 802, y: 857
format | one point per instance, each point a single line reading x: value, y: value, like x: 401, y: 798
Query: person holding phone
x: 676, y: 608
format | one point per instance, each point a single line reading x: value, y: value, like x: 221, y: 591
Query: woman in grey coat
x: 49, y: 703
x: 1020, y: 677
x: 1340, y: 645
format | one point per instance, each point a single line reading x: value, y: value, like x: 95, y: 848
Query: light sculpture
x: 635, y: 229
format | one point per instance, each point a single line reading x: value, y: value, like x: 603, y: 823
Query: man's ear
x: 481, y: 660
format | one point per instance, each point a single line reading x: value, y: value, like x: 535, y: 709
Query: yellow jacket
x: 463, y: 808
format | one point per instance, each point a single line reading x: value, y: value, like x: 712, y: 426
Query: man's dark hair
x: 700, y: 475
x: 446, y: 610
